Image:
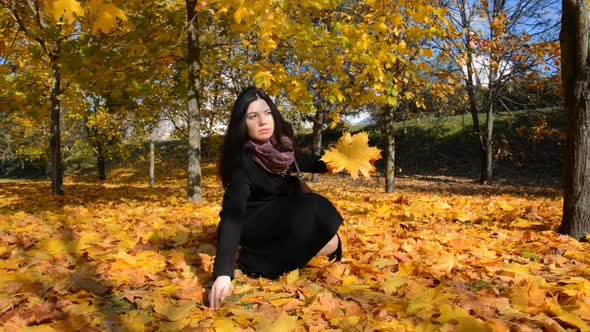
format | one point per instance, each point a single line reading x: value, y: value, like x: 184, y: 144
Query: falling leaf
x: 353, y: 154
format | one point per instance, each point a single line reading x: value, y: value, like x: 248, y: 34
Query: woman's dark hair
x: 235, y: 142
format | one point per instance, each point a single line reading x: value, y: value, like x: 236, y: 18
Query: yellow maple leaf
x: 266, y: 43
x: 263, y: 78
x: 224, y: 325
x: 391, y: 285
x: 284, y: 323
x: 172, y: 312
x: 240, y: 14
x: 292, y: 277
x: 465, y: 321
x: 106, y: 17
x: 353, y: 154
x: 65, y: 9
x: 443, y: 264
x: 55, y: 246
x: 37, y: 328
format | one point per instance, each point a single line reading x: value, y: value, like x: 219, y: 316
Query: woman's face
x: 259, y: 121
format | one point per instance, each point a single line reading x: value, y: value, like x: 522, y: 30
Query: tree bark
x: 575, y: 77
x: 488, y: 159
x: 55, y: 131
x: 194, y: 190
x: 152, y: 164
x: 479, y: 140
x: 390, y: 163
x: 102, y: 175
x: 318, y: 124
x: 470, y: 87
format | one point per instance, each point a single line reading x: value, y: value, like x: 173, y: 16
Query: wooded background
x: 116, y: 74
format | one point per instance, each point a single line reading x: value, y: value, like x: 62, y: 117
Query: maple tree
x: 330, y: 57
x: 23, y: 121
x: 46, y: 29
x: 295, y: 54
x: 575, y: 54
x: 194, y: 103
x: 391, y: 54
x: 499, y: 43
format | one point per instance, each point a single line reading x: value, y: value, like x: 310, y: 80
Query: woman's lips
x: 263, y: 131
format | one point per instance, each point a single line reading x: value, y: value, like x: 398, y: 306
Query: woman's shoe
x: 337, y: 254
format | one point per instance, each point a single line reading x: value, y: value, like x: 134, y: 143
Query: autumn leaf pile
x: 443, y: 255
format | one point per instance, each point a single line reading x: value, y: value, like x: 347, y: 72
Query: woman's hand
x: 221, y: 289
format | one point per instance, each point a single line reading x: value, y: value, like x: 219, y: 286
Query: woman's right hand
x: 221, y: 289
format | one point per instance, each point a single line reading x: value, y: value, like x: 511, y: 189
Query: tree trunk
x: 55, y: 131
x: 488, y: 160
x: 318, y: 124
x: 575, y: 77
x: 390, y: 165
x: 194, y: 191
x: 479, y: 141
x: 102, y: 175
x: 152, y: 164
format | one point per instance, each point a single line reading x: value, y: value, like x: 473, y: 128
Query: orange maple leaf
x: 352, y: 153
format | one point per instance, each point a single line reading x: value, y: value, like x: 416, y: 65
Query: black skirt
x: 283, y: 234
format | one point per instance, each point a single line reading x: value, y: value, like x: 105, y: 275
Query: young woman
x: 277, y: 227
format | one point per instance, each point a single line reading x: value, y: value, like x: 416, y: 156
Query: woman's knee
x: 330, y: 247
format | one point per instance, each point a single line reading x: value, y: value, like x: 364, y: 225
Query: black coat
x: 276, y: 227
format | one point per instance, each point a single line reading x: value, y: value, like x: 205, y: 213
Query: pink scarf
x: 270, y: 158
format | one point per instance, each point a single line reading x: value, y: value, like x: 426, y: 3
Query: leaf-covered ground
x: 440, y: 254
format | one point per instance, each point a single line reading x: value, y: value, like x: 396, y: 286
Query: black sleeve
x: 230, y: 225
x: 309, y: 163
